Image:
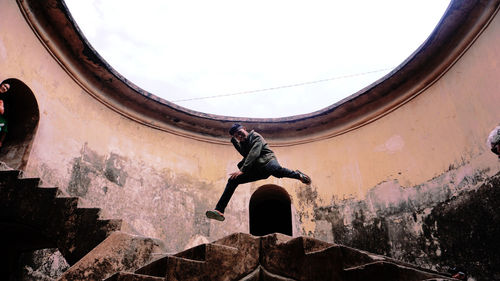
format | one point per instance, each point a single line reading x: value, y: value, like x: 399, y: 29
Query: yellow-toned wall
x: 72, y: 123
x: 161, y: 184
x: 444, y: 127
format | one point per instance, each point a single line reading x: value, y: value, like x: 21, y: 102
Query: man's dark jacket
x: 255, y: 152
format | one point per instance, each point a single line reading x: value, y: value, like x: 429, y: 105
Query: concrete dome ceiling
x: 460, y: 26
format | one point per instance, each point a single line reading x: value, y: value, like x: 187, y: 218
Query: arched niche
x: 270, y: 211
x: 21, y: 111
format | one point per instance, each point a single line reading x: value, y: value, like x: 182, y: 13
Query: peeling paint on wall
x: 465, y: 229
x: 172, y: 205
x: 306, y: 203
x: 392, y: 145
x: 114, y: 169
x: 80, y: 180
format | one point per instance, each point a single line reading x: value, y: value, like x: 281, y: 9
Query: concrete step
x: 76, y: 231
x: 51, y: 192
x: 33, y: 206
x: 120, y: 251
x: 69, y: 204
x: 79, y: 236
x: 281, y: 257
x: 109, y: 225
x: 30, y: 183
x: 203, y: 262
x: 8, y: 176
x: 387, y: 271
x: 156, y: 268
x: 87, y: 215
x: 13, y: 189
x: 64, y: 208
x: 207, y: 252
x: 127, y: 276
x: 187, y: 269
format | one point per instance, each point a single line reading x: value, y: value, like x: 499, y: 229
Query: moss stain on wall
x: 439, y: 224
x: 121, y: 186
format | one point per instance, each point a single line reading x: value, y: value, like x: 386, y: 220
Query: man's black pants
x: 273, y: 168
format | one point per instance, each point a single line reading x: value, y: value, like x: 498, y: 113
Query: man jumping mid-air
x: 259, y: 162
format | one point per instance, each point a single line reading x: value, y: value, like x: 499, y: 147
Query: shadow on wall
x: 270, y: 211
x: 21, y: 111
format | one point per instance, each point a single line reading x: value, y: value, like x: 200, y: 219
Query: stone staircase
x: 245, y: 257
x: 37, y: 217
x: 58, y: 221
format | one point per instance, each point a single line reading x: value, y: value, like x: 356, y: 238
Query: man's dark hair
x: 235, y: 128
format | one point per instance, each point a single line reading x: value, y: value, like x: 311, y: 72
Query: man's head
x: 4, y: 87
x: 494, y: 141
x: 238, y: 132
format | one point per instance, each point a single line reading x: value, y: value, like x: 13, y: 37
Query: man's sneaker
x: 304, y: 178
x: 215, y: 215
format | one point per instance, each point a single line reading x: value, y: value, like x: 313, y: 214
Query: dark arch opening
x: 270, y: 211
x: 21, y: 111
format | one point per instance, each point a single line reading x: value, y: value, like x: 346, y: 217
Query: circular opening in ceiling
x: 255, y: 59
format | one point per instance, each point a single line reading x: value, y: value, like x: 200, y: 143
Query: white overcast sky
x: 201, y: 48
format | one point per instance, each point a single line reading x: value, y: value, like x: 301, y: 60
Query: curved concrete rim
x: 459, y: 27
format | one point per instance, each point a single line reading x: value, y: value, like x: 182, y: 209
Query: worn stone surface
x: 464, y: 231
x: 377, y: 175
x: 48, y: 220
x: 164, y: 198
x: 42, y: 265
x: 119, y: 252
x: 444, y: 223
x: 280, y: 257
x: 127, y: 276
x: 212, y: 261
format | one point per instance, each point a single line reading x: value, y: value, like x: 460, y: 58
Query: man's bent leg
x: 276, y: 170
x: 231, y: 187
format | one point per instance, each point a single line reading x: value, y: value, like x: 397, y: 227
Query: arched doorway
x: 21, y: 111
x: 270, y: 211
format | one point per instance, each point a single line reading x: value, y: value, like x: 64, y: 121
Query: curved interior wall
x: 385, y: 176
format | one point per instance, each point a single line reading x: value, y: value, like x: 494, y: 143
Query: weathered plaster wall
x: 159, y: 183
x: 405, y: 185
x: 379, y: 187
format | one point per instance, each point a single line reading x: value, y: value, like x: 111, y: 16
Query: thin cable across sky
x: 206, y: 54
x: 282, y: 87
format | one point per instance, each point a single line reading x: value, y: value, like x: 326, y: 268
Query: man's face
x: 241, y: 135
x: 4, y: 88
